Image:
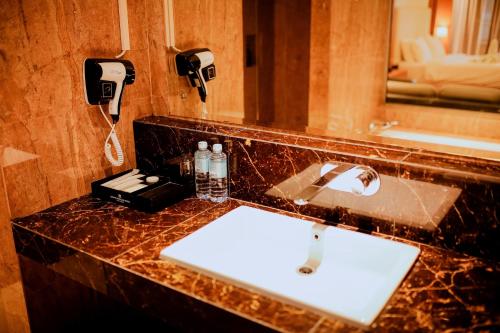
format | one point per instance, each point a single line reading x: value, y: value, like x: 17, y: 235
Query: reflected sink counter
x: 114, y: 251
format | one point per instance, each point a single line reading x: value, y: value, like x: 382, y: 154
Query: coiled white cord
x: 116, y: 143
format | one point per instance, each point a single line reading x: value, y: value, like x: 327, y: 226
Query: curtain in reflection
x: 475, y: 23
x: 495, y: 25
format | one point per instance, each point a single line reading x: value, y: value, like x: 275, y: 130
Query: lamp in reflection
x: 442, y: 31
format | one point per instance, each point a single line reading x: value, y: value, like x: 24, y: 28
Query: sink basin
x: 345, y: 274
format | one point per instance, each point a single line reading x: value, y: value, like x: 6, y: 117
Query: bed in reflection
x: 445, y: 53
x: 427, y: 75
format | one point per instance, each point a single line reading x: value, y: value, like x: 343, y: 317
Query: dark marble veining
x: 57, y: 302
x: 260, y: 160
x: 103, y: 229
x: 445, y: 291
x: 60, y: 257
x: 473, y: 167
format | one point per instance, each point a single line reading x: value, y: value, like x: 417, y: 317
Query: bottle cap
x: 217, y: 148
x: 202, y: 145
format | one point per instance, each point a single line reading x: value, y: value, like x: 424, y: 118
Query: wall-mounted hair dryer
x: 104, y: 80
x: 198, y: 65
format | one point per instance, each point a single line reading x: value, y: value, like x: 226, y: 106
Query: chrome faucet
x: 356, y: 179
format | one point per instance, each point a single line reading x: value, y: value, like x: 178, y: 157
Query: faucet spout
x: 315, y: 188
x: 355, y: 179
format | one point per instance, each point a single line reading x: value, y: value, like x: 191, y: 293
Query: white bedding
x: 455, y: 68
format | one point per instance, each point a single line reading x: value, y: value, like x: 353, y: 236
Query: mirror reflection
x: 338, y: 68
x: 445, y: 53
x: 277, y: 62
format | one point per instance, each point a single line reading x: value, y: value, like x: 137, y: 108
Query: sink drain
x: 306, y: 270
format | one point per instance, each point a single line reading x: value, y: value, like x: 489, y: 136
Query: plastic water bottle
x: 218, y: 174
x: 201, y: 170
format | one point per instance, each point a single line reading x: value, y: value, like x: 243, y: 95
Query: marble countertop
x: 113, y: 250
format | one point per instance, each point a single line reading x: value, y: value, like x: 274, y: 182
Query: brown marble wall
x: 43, y: 111
x: 53, y: 140
x: 216, y: 25
x: 13, y: 316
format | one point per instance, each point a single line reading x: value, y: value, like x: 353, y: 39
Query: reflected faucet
x: 376, y: 126
x: 356, y: 179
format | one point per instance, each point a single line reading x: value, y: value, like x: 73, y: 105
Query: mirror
x: 321, y: 67
x: 315, y: 66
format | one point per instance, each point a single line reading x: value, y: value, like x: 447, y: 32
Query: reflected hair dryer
x: 104, y: 81
x: 198, y: 66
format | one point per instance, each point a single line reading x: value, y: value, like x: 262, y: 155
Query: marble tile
x: 162, y: 60
x: 138, y: 28
x: 145, y: 261
x: 26, y: 186
x: 260, y: 160
x: 183, y: 312
x: 285, y: 137
x: 215, y: 25
x: 13, y: 315
x: 140, y: 90
x: 105, y: 229
x: 69, y: 262
x: 88, y: 28
x: 436, y: 279
x: 44, y: 113
x: 441, y: 293
x: 57, y: 303
x: 445, y: 290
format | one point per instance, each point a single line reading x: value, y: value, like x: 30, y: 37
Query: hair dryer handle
x: 114, y: 105
x: 202, y: 88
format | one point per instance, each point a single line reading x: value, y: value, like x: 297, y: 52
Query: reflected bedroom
x: 445, y: 53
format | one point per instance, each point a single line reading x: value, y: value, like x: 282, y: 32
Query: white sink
x: 355, y: 274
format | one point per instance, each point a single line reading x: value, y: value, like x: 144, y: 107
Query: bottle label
x: 201, y: 165
x: 218, y: 169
